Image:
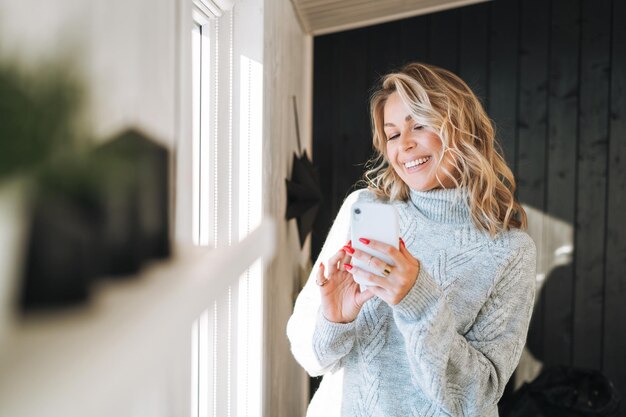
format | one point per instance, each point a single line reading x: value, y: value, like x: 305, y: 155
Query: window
x: 227, y: 205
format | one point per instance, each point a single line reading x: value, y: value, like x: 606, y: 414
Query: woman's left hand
x: 402, y: 276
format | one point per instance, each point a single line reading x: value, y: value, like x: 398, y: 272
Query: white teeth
x: 416, y: 162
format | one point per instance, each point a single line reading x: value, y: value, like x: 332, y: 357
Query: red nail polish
x: 348, y: 249
x: 347, y: 266
x: 402, y: 241
x: 364, y: 241
x: 349, y: 243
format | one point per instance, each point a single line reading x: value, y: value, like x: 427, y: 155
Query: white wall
x: 288, y: 72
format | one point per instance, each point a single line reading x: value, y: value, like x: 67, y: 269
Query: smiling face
x: 413, y: 150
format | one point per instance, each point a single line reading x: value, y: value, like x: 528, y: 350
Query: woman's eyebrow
x: 406, y: 119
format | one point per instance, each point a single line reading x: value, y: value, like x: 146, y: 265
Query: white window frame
x: 227, y: 364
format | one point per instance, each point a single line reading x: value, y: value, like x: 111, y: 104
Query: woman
x: 443, y: 332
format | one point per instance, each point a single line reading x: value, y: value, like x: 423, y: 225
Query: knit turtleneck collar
x: 443, y: 205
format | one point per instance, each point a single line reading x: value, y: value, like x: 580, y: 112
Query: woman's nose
x: 407, y: 141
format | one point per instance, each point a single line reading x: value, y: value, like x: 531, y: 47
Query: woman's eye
x: 417, y: 127
x: 392, y: 137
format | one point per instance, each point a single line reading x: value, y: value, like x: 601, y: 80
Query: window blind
x: 227, y: 337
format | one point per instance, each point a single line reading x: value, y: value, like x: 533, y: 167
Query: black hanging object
x: 304, y: 194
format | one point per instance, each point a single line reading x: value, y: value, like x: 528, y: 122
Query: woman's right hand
x: 342, y: 298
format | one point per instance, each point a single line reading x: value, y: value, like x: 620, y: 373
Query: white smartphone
x: 374, y: 221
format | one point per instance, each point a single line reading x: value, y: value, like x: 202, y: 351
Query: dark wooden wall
x: 552, y: 75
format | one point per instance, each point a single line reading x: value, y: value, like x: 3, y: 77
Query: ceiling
x: 318, y: 17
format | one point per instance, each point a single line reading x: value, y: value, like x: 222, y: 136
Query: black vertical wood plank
x: 531, y: 125
x: 614, y: 363
x: 351, y: 140
x: 591, y: 200
x: 503, y: 41
x: 473, y: 47
x: 532, y: 110
x: 385, y: 50
x: 444, y: 40
x: 561, y: 180
x: 324, y: 68
x: 337, y: 137
x: 415, y: 35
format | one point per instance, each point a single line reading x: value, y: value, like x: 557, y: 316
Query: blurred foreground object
x: 13, y: 220
x: 38, y: 116
x: 565, y: 392
x: 63, y: 242
x: 70, y: 212
x: 102, y: 214
x: 134, y: 201
x: 39, y: 120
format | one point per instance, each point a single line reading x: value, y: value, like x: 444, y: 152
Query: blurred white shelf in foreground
x: 91, y: 360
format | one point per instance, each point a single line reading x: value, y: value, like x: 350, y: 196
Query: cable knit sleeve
x: 465, y: 375
x: 316, y: 343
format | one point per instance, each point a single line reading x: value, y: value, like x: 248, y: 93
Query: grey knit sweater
x: 450, y: 346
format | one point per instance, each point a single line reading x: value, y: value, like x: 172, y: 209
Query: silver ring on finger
x: 370, y: 260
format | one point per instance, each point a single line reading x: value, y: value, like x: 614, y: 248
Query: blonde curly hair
x: 441, y: 101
